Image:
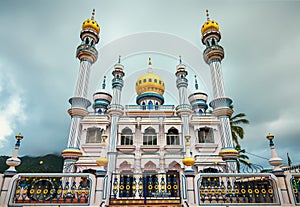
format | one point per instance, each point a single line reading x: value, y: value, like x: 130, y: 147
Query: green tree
x: 236, y: 130
x: 242, y: 158
x: 238, y: 133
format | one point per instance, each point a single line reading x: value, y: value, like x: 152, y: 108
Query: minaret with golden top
x: 213, y: 55
x: 87, y: 55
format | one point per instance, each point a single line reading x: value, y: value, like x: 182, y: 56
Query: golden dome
x: 91, y: 23
x: 150, y: 82
x: 188, y: 161
x: 209, y: 25
x: 102, y: 161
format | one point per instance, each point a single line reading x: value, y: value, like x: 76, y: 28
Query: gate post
x: 190, y: 175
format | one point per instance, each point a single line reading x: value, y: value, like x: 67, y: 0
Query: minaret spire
x: 196, y: 83
x: 103, y: 84
x: 149, y: 62
x: 93, y: 14
x: 150, y: 65
x: 115, y: 110
x: 207, y: 15
x: 213, y: 55
x: 87, y: 55
x: 184, y: 109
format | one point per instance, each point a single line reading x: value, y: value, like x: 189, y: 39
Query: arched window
x: 150, y: 105
x: 126, y: 137
x: 172, y: 136
x: 206, y: 135
x: 156, y: 106
x: 93, y: 135
x: 144, y: 105
x: 149, y: 137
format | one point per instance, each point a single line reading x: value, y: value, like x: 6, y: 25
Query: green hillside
x: 44, y: 164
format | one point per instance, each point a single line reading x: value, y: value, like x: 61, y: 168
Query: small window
x: 93, y: 135
x: 155, y: 80
x: 140, y: 81
x: 173, y: 137
x: 150, y: 80
x: 206, y: 135
x: 136, y: 84
x: 160, y: 82
x: 145, y: 80
x: 126, y: 137
x: 150, y: 137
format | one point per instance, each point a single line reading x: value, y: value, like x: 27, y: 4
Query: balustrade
x: 237, y: 188
x: 52, y: 188
x: 145, y: 188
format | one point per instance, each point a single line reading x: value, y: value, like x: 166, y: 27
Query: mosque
x: 150, y: 136
x: 150, y: 153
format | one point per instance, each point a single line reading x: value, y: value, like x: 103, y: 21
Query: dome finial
x: 103, y: 84
x: 196, y: 83
x: 149, y: 65
x: 119, y: 60
x: 149, y: 62
x: 93, y: 14
x: 180, y: 61
x: 207, y: 15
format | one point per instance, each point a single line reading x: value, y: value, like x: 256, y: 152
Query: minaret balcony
x: 213, y: 52
x: 115, y: 109
x: 183, y: 109
x: 86, y: 51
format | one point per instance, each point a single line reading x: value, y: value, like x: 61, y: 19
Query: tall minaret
x: 213, y: 55
x: 115, y: 110
x: 87, y: 54
x: 184, y: 109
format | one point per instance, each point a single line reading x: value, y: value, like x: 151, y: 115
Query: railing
x: 147, y: 107
x: 295, y: 185
x: 145, y: 188
x: 220, y: 189
x: 58, y: 189
x: 183, y: 106
x: 115, y: 106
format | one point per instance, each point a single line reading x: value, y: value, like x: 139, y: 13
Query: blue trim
x: 184, y: 190
x: 149, y: 95
x: 104, y: 188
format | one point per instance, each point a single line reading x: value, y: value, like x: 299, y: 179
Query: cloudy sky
x: 38, y: 68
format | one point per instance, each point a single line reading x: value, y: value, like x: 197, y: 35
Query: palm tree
x: 236, y: 130
x: 242, y: 158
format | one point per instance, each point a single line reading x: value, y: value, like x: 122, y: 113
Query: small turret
x: 198, y: 99
x: 14, y: 161
x: 102, y: 99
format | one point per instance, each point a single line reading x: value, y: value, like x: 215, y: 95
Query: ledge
x: 173, y: 148
x: 206, y: 147
x: 126, y: 148
x: 149, y: 148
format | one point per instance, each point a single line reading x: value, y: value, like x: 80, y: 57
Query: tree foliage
x: 43, y: 164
